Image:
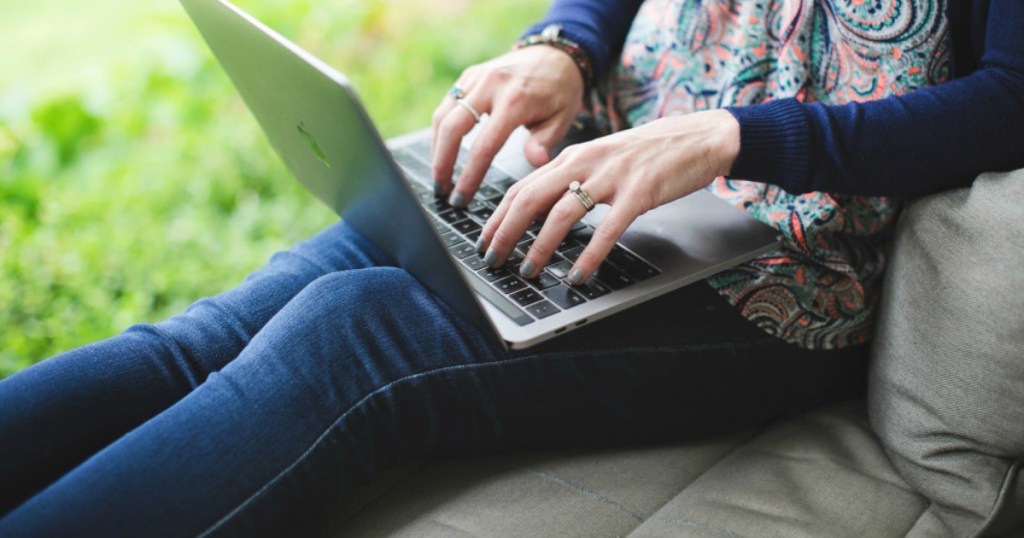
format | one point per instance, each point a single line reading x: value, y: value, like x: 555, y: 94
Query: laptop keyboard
x: 523, y: 300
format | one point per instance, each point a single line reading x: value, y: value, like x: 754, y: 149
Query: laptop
x: 319, y: 128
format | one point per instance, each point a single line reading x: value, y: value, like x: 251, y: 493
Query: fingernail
x: 526, y: 269
x: 458, y: 200
x: 491, y: 257
x: 575, y: 277
x: 479, y: 246
x: 438, y: 189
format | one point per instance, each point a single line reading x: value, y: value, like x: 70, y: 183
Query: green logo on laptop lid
x: 314, y: 146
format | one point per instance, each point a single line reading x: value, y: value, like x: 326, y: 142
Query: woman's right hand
x: 539, y: 87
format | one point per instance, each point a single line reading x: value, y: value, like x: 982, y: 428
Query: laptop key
x: 631, y: 264
x: 612, y: 277
x: 432, y: 202
x: 542, y: 309
x: 515, y: 258
x: 544, y: 281
x: 450, y: 238
x: 567, y: 244
x: 564, y: 296
x: 583, y: 234
x: 489, y: 193
x: 560, y: 269
x: 510, y: 285
x: 451, y: 216
x: 507, y: 307
x: 592, y: 289
x: 462, y: 250
x: 481, y: 214
x: 526, y: 296
x: 475, y: 205
x: 573, y: 254
x: 491, y: 274
x: 474, y: 262
x: 466, y: 226
x: 441, y: 227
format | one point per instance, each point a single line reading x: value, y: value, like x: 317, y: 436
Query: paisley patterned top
x: 819, y: 289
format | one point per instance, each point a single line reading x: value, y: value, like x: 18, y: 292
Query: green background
x: 132, y: 179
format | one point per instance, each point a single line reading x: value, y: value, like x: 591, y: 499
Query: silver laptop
x: 320, y: 129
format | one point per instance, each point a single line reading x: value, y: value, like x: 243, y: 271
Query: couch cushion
x: 820, y: 474
x: 947, y: 380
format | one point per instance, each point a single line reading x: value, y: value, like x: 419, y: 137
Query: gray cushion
x: 946, y: 391
x: 819, y: 474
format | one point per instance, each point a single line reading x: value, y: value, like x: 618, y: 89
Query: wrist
x: 551, y: 36
x: 724, y: 141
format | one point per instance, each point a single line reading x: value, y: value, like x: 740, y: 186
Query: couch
x: 933, y: 449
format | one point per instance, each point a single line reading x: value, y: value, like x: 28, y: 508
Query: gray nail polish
x: 575, y: 277
x: 491, y: 257
x: 526, y: 269
x: 458, y: 200
x: 479, y: 246
x: 438, y: 189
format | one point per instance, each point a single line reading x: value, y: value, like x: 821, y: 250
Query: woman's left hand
x: 633, y: 171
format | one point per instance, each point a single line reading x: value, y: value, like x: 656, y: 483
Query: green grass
x: 132, y: 179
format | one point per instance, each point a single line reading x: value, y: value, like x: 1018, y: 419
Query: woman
x: 261, y: 408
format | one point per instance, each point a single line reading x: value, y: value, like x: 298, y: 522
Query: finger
x: 521, y: 206
x: 606, y: 234
x: 465, y: 82
x: 486, y: 145
x: 442, y: 110
x: 561, y: 167
x: 544, y: 136
x: 566, y: 212
x: 453, y: 127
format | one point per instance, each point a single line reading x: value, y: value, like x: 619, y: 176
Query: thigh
x: 365, y: 369
x: 264, y: 421
x: 681, y: 366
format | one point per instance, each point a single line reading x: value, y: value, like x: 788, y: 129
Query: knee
x: 358, y: 292
x: 381, y: 303
x: 379, y: 316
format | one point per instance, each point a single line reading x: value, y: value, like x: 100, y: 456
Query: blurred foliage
x: 126, y: 200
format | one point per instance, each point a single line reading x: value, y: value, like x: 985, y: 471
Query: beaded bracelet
x: 551, y: 35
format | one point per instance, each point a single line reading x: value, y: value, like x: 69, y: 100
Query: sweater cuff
x: 775, y: 144
x: 595, y: 48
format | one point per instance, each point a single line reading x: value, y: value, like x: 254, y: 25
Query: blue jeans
x: 259, y: 410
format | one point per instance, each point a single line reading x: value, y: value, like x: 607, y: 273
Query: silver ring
x: 457, y: 92
x: 581, y: 195
x: 462, y: 102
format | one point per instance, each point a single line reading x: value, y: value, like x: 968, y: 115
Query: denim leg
x: 365, y: 368
x: 57, y: 413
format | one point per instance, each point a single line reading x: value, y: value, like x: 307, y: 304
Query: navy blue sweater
x: 930, y: 140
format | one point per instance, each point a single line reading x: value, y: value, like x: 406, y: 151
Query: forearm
x: 599, y: 27
x: 933, y: 139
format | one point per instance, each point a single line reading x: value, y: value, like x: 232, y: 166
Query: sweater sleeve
x: 930, y: 140
x: 598, y: 26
